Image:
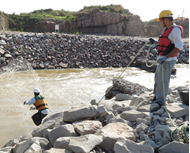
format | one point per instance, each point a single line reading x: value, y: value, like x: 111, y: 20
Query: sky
x: 146, y: 9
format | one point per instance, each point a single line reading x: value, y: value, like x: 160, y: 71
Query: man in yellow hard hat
x: 40, y: 104
x: 169, y: 44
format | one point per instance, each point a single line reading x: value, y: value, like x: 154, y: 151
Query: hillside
x: 106, y: 20
x: 24, y: 20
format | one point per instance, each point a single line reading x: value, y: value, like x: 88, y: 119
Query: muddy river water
x: 62, y: 89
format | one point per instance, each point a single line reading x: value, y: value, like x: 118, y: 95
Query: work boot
x: 154, y: 98
x: 159, y: 103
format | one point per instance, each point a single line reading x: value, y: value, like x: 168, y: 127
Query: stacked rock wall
x: 56, y: 50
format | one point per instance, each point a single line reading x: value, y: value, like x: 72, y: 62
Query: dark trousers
x: 37, y: 118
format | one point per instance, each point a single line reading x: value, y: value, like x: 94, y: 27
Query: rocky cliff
x: 3, y: 22
x: 98, y: 22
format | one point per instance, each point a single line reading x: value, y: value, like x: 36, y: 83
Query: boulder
x: 174, y: 147
x: 6, y: 150
x: 128, y: 146
x: 121, y: 97
x: 36, y: 144
x: 62, y: 131
x: 178, y: 110
x: 2, y: 51
x: 38, y: 132
x: 141, y: 127
x: 132, y: 115
x: 80, y: 113
x: 112, y: 131
x: 163, y: 128
x: 56, y: 150
x: 87, y: 126
x: 57, y: 117
x: 148, y: 108
x: 63, y: 142
x: 85, y: 143
x: 123, y: 86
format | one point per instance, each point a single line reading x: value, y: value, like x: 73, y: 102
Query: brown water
x: 62, y: 89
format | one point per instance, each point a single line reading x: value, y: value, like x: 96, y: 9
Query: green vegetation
x: 108, y: 8
x: 24, y: 20
x: 49, y: 13
x: 153, y: 20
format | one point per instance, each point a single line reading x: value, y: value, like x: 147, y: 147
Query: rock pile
x: 56, y: 50
x: 124, y: 124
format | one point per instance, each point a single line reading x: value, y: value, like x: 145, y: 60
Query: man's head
x: 165, y: 18
x: 36, y: 91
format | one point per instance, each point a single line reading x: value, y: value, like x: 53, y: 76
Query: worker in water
x: 169, y: 44
x: 40, y: 104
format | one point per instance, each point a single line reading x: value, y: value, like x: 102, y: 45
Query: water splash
x: 12, y: 84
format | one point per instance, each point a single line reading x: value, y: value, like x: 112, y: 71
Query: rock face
x: 153, y: 29
x: 57, y: 51
x: 3, y: 22
x: 126, y: 126
x: 99, y: 22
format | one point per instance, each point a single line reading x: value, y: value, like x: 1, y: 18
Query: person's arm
x: 173, y: 52
x: 31, y: 101
x: 177, y: 40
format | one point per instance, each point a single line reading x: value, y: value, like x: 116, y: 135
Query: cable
x: 184, y: 129
x: 125, y: 69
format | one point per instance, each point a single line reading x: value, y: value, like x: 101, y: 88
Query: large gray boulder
x: 174, y: 147
x: 126, y: 87
x: 36, y: 144
x: 112, y: 131
x: 132, y: 115
x: 56, y: 150
x: 178, y: 110
x: 58, y: 117
x: 85, y: 143
x: 62, y: 131
x: 38, y: 132
x: 128, y: 146
x: 63, y: 142
x: 87, y: 126
x: 80, y: 113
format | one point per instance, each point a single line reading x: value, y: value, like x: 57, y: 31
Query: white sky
x: 146, y: 9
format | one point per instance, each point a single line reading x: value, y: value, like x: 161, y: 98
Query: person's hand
x: 152, y: 41
x: 162, y: 59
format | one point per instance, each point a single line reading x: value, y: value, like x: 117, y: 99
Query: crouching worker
x: 40, y: 104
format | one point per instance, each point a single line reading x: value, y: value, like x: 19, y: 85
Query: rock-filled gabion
x: 126, y: 123
x: 58, y: 50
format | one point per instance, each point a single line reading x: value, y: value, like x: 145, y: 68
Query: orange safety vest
x: 164, y: 44
x: 40, y: 103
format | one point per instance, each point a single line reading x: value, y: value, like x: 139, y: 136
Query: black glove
x: 152, y: 41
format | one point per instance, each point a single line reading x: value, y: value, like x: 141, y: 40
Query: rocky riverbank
x: 58, y: 50
x: 127, y: 123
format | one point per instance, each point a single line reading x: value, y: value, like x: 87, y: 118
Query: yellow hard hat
x: 165, y: 13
